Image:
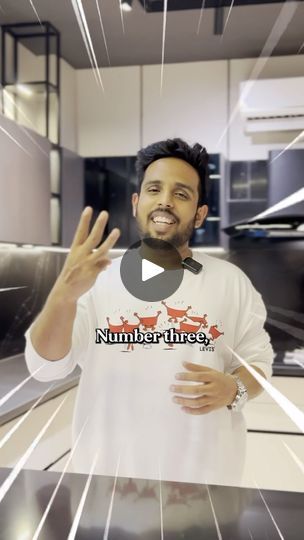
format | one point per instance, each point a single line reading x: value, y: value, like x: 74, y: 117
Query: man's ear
x: 134, y: 203
x: 200, y: 216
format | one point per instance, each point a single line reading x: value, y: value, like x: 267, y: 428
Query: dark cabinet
x: 248, y: 180
x: 248, y: 189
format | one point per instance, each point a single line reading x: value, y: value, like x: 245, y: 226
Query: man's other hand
x: 213, y: 390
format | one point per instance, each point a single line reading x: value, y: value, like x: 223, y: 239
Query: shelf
x: 31, y: 88
x: 246, y: 200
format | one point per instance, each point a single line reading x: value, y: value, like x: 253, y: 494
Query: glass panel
x: 9, y: 75
x: 238, y: 180
x: 208, y: 235
x: 53, y: 117
x: 55, y: 220
x: 55, y: 171
x: 26, y: 104
x: 214, y: 197
x: 258, y: 179
x: 31, y: 59
x: 53, y: 60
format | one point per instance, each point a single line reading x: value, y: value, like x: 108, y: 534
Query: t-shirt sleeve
x: 251, y: 341
x: 82, y: 329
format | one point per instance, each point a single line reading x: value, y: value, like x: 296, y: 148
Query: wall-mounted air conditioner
x: 273, y: 105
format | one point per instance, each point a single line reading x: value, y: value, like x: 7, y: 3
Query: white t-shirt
x: 123, y: 397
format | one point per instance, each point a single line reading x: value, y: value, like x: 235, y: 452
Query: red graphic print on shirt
x: 148, y: 323
x: 127, y: 327
x: 175, y: 314
x: 214, y: 332
x: 115, y: 327
x: 179, y: 318
x: 202, y: 320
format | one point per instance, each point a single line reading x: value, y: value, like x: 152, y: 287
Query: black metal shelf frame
x: 24, y: 31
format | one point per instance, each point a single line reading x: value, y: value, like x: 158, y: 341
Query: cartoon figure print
x: 174, y: 314
x: 123, y: 327
x: 214, y: 332
x: 127, y: 327
x: 148, y: 323
x: 181, y: 318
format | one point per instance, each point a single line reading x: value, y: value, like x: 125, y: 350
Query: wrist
x: 59, y: 296
x: 241, y: 397
x: 233, y: 388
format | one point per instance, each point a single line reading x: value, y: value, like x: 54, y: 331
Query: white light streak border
x: 84, y: 29
x: 293, y: 412
x: 19, y: 465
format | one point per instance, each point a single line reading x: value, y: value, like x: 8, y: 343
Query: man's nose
x: 165, y: 199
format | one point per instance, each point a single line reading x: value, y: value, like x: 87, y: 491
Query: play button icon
x: 151, y: 270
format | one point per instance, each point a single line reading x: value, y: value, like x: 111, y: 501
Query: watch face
x: 241, y: 397
x: 241, y: 401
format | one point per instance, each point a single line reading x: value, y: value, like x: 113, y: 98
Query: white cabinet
x: 274, y: 462
x: 24, y: 185
x: 109, y: 121
x: 192, y: 105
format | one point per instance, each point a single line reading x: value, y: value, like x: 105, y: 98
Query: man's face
x: 166, y: 207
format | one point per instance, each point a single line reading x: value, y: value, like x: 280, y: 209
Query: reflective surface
x: 140, y: 509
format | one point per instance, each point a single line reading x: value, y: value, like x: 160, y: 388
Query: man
x: 164, y: 410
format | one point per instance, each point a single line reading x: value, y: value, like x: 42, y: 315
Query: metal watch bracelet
x: 241, y: 396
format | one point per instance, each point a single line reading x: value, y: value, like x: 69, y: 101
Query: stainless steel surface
x: 147, y: 510
x: 12, y: 372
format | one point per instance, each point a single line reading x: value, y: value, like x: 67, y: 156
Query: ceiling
x: 245, y: 35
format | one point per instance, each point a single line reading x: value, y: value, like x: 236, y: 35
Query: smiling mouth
x: 163, y: 220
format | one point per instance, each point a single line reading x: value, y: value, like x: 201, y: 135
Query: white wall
x: 109, y: 121
x: 198, y: 102
x: 31, y: 67
x: 241, y: 146
x: 24, y: 185
x: 193, y: 103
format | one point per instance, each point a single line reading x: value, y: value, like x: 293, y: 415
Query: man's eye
x: 182, y: 195
x: 153, y: 190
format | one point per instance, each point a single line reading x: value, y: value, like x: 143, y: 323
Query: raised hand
x: 84, y: 262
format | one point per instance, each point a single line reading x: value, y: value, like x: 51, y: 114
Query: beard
x: 177, y: 239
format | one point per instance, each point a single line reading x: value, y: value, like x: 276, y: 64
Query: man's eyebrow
x: 178, y: 184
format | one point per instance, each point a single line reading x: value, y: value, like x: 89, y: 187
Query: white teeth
x: 162, y: 219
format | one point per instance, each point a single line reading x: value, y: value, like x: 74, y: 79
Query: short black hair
x: 195, y: 155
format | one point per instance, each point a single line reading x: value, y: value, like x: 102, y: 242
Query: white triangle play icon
x: 150, y: 270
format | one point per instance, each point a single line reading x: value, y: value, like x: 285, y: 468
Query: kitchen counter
x: 13, y: 371
x: 128, y: 509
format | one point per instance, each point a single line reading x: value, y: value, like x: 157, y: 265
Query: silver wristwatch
x: 241, y: 396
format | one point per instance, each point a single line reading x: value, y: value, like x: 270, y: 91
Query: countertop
x: 13, y: 371
x: 128, y: 509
